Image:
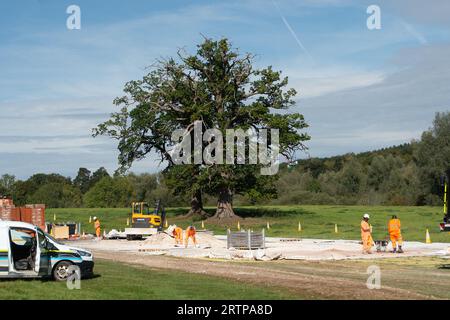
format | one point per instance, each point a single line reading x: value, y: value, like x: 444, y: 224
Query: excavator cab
x: 143, y: 217
x: 445, y: 179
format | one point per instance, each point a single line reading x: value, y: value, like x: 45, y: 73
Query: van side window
x: 22, y: 237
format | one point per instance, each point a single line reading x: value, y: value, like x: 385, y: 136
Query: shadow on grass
x: 250, y: 212
x: 270, y: 212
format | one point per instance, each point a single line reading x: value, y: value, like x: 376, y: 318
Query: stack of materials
x: 33, y: 213
x: 6, y: 202
x: 61, y: 232
x: 9, y: 213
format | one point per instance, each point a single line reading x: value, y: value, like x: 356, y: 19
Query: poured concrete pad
x: 276, y: 248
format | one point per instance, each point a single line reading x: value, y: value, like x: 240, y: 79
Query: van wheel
x: 61, y: 271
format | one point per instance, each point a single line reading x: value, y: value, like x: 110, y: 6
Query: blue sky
x: 359, y: 89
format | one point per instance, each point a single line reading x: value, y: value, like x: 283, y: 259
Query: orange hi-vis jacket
x: 97, y: 228
x: 394, y: 226
x: 366, y: 236
x: 365, y: 226
x: 190, y: 232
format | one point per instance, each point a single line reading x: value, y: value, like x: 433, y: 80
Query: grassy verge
x: 316, y: 221
x: 119, y: 281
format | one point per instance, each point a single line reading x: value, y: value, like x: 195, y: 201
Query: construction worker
x: 178, y: 235
x: 190, y: 233
x: 394, y: 229
x: 97, y: 227
x: 366, y: 234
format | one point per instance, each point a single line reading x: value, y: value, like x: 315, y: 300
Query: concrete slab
x: 277, y: 248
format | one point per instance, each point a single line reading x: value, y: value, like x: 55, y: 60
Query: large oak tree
x: 219, y: 87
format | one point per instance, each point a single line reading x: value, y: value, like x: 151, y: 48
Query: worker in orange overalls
x: 394, y: 228
x: 190, y: 233
x: 366, y: 234
x: 178, y: 235
x: 97, y: 227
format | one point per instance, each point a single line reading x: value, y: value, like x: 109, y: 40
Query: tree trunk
x: 225, y: 205
x: 197, y: 206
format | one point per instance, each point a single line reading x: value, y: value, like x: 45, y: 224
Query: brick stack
x: 10, y: 213
x: 32, y: 213
x: 6, y: 202
x: 35, y: 214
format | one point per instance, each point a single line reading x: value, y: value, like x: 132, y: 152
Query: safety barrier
x: 246, y: 240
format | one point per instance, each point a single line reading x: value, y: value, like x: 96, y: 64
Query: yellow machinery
x: 144, y: 221
x: 143, y: 217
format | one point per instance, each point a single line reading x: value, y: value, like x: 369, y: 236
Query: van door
x: 24, y: 251
x: 4, y: 252
x: 43, y: 254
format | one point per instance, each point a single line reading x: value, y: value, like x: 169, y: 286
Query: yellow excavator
x: 145, y: 221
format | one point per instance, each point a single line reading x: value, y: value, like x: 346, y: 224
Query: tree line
x: 93, y: 190
x: 407, y: 174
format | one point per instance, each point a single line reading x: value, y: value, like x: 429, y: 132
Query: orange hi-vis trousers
x: 396, y: 238
x: 366, y: 236
x: 190, y: 233
x: 395, y: 234
x: 97, y: 229
x: 178, y: 234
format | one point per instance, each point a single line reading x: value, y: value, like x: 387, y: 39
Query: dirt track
x: 314, y: 280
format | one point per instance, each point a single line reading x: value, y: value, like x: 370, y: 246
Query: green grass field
x: 316, y: 221
x: 123, y: 282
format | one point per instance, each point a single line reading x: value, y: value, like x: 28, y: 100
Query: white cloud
x: 324, y: 81
x: 393, y: 111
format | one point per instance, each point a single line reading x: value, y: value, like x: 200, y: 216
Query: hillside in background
x: 385, y: 176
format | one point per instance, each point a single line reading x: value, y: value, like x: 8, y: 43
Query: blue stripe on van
x: 66, y: 258
x: 3, y: 258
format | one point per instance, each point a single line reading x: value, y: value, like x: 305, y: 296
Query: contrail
x: 419, y: 37
x: 288, y: 26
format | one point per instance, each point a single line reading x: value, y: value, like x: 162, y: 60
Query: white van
x: 28, y: 252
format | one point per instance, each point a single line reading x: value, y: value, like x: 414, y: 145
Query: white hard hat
x: 366, y: 216
x: 95, y: 218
